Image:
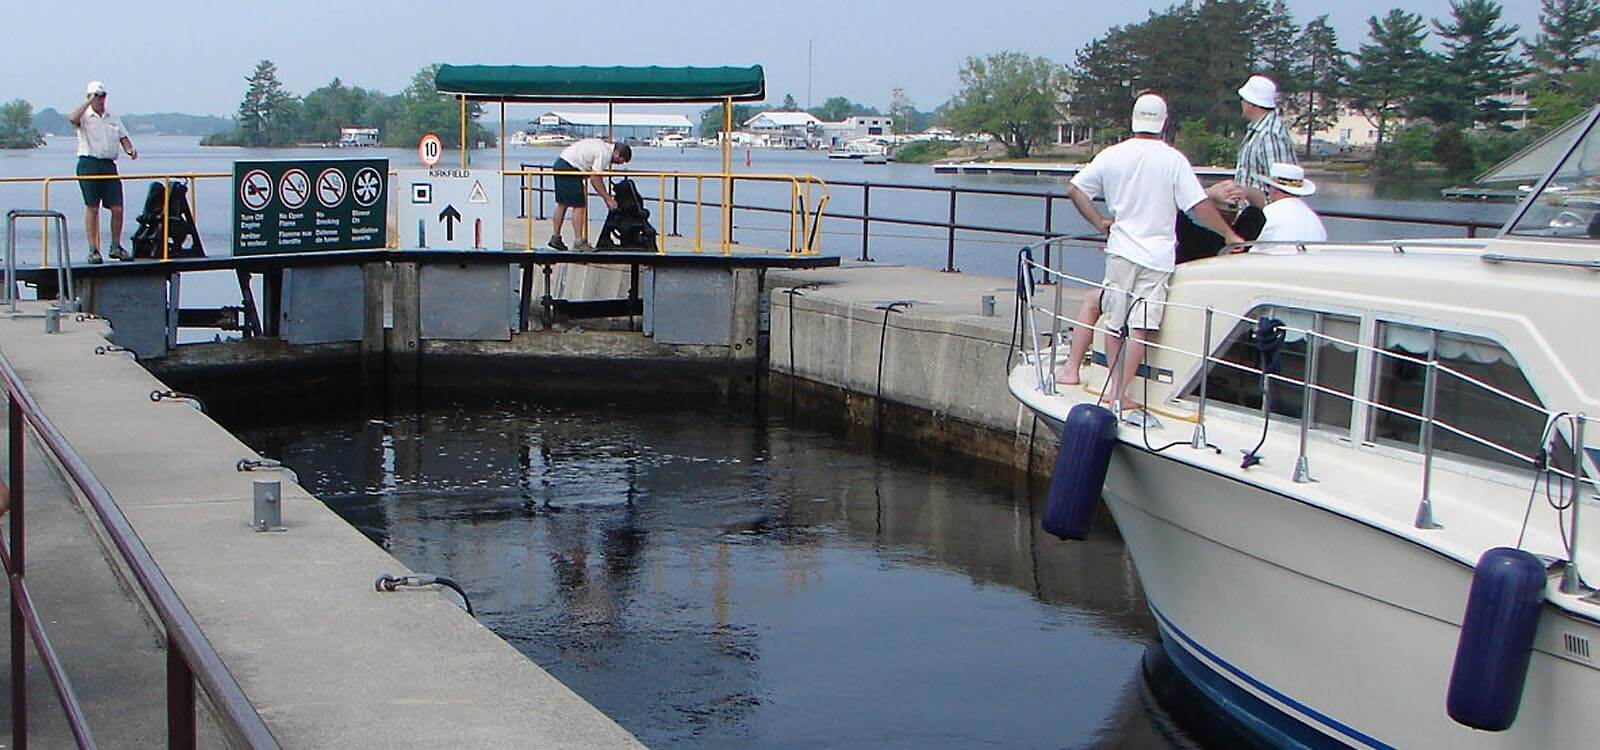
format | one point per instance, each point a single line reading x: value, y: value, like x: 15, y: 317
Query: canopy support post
x: 463, y: 99
x: 727, y: 173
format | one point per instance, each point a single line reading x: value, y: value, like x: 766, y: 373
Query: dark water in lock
x: 713, y: 577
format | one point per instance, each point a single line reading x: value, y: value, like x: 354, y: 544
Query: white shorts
x: 1134, y: 295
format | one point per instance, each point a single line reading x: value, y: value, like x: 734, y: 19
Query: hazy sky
x: 186, y: 56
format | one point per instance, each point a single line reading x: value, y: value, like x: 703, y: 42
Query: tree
x: 1570, y: 31
x: 711, y: 118
x: 421, y: 109
x: 1320, y: 69
x: 836, y: 108
x: 324, y: 111
x: 1009, y: 96
x: 789, y: 104
x: 16, y: 125
x: 1477, y: 65
x: 267, y: 113
x: 1388, y: 68
x: 901, y: 111
x: 1102, y: 83
x: 1276, y: 40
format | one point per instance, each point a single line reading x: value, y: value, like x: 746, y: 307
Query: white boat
x: 859, y: 149
x: 1312, y: 576
x: 672, y: 140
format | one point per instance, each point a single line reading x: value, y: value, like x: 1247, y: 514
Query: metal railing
x: 192, y: 178
x: 806, y: 208
x: 533, y: 196
x: 190, y: 657
x: 1044, y: 359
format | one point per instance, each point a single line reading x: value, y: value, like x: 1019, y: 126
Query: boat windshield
x: 1568, y: 205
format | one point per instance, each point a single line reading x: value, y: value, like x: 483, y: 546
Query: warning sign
x: 452, y: 208
x: 273, y: 210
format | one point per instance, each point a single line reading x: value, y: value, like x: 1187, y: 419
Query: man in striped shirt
x: 1266, y: 142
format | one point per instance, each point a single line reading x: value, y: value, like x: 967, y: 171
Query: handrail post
x: 540, y: 191
x: 181, y: 727
x: 1430, y: 394
x: 1308, y: 403
x: 950, y: 248
x: 19, y: 655
x: 676, y: 202
x: 1571, y: 578
x: 166, y: 218
x: 1049, y: 203
x: 1198, y: 440
x: 11, y: 263
x: 1055, y: 326
x: 866, y: 218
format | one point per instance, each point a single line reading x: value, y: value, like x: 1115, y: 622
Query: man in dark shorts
x: 101, y: 139
x: 593, y: 157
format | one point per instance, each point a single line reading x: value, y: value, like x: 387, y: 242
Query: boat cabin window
x: 1336, y: 367
x: 1569, y: 206
x: 1402, y: 384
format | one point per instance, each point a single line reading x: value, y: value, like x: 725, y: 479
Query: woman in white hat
x: 1289, y: 219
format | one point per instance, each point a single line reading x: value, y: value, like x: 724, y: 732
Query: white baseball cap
x: 1149, y: 114
x: 95, y: 88
x: 1260, y: 91
x: 1291, y: 179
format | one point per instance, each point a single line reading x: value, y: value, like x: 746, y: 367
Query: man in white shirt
x: 101, y: 139
x: 593, y: 157
x: 1145, y: 183
x: 1289, y: 219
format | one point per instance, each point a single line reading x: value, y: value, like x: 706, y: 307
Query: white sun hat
x: 1149, y: 114
x: 1291, y: 179
x: 95, y: 88
x: 1260, y: 91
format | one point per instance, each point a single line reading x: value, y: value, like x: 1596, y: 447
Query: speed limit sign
x: 429, y: 149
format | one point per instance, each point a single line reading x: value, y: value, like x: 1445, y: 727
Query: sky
x: 187, y: 56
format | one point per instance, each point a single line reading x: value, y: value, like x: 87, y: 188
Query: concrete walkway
x: 326, y: 661
x: 113, y: 654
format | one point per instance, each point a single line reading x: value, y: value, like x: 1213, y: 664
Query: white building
x: 877, y: 127
x: 622, y: 126
x: 784, y: 129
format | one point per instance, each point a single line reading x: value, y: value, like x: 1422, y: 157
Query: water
x: 711, y: 577
x: 976, y: 252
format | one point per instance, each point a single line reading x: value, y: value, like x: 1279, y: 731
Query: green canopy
x: 583, y: 83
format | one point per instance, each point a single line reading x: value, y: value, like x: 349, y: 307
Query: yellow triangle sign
x: 477, y: 195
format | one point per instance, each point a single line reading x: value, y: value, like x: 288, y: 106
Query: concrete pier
x: 931, y: 372
x: 326, y: 660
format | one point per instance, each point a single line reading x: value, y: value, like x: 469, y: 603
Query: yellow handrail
x: 800, y: 220
x: 166, y: 180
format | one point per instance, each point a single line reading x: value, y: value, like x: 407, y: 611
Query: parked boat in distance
x: 861, y: 148
x: 1354, y: 494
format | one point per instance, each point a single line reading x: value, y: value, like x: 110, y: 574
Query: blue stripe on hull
x: 1272, y: 724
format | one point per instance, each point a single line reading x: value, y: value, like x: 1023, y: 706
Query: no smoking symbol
x: 369, y: 186
x: 331, y: 187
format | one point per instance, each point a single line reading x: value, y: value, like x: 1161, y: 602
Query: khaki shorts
x: 1130, y: 285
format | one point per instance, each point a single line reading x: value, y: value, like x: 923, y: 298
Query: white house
x: 856, y: 128
x: 784, y: 129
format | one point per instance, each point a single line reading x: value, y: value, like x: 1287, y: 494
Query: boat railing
x: 191, y: 659
x: 1045, y: 358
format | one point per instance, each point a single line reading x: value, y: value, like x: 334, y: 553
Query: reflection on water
x: 712, y: 578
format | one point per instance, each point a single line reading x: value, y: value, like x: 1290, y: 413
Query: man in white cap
x: 1145, y: 183
x: 1266, y: 141
x: 1289, y: 219
x: 101, y: 139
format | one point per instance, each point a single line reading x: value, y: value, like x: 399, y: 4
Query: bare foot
x: 1066, y: 377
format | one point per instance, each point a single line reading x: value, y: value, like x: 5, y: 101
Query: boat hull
x: 1337, y: 632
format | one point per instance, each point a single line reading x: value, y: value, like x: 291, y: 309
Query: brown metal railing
x: 190, y: 657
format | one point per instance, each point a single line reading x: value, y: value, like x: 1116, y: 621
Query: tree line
x: 1197, y: 54
x: 271, y: 115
